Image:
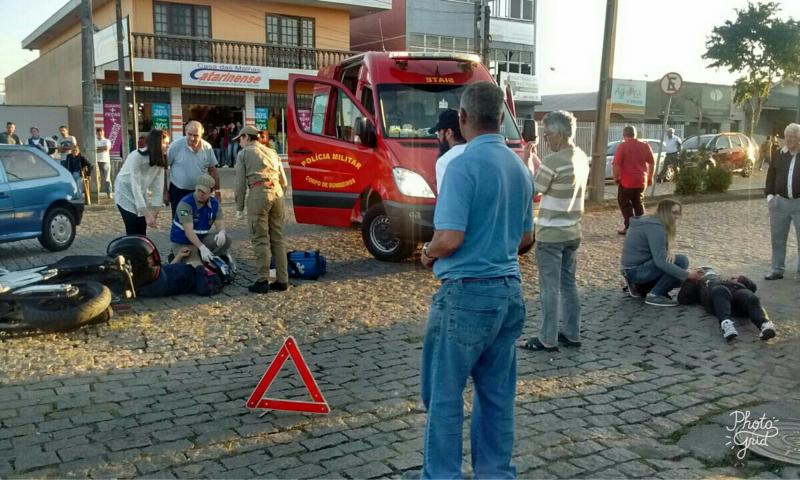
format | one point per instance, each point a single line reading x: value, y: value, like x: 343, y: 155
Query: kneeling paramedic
x: 195, y: 216
x: 260, y: 170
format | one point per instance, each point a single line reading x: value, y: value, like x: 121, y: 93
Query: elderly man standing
x: 189, y: 157
x: 633, y: 172
x: 483, y: 220
x: 561, y: 180
x: 783, y: 198
x: 259, y: 170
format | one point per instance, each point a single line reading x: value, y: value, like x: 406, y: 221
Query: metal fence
x: 584, y: 134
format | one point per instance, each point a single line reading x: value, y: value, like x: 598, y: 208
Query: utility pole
x: 87, y: 83
x: 597, y: 190
x: 476, y: 41
x: 487, y: 10
x: 797, y: 114
x: 121, y: 77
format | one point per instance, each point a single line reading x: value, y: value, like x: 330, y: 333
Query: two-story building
x: 217, y: 61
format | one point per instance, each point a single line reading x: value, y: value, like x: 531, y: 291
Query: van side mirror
x: 365, y: 131
x: 529, y: 130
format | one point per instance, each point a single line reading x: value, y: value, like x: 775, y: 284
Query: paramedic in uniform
x: 259, y: 170
x: 195, y: 216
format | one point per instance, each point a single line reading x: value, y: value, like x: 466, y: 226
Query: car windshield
x: 612, y: 148
x: 408, y: 111
x: 691, y: 142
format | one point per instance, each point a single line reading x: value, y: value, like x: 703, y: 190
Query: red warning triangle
x: 289, y: 349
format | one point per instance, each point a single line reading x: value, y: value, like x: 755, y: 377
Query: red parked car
x: 732, y: 151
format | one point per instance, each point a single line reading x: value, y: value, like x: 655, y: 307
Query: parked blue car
x: 38, y: 198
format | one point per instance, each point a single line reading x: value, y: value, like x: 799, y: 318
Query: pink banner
x: 112, y: 124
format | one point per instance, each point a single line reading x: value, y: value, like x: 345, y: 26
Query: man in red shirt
x: 633, y: 172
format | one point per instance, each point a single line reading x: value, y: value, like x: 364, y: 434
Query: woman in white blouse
x: 142, y: 172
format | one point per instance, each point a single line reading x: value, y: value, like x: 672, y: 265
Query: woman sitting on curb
x: 648, y: 255
x: 723, y: 298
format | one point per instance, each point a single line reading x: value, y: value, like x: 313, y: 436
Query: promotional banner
x: 628, y: 96
x: 524, y: 87
x: 161, y: 116
x: 304, y: 117
x: 203, y: 74
x: 112, y: 125
x: 262, y: 114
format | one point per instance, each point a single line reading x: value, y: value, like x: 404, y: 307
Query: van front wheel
x: 380, y: 239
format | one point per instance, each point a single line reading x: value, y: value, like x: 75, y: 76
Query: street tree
x: 763, y: 48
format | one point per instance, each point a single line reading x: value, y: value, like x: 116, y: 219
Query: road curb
x: 729, y: 196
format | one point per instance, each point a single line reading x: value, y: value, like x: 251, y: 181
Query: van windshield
x: 408, y: 111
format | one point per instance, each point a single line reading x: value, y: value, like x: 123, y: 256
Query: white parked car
x: 612, y: 149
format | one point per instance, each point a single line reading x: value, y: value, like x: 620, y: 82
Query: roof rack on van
x: 464, y: 57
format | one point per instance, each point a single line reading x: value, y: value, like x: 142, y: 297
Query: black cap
x: 447, y: 119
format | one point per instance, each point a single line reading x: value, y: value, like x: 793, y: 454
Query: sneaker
x: 259, y: 287
x: 631, y: 288
x: 767, y: 330
x: 281, y: 287
x: 111, y: 195
x: 773, y: 276
x: 728, y: 330
x: 659, y: 301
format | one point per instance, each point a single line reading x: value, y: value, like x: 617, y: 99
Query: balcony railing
x: 168, y: 47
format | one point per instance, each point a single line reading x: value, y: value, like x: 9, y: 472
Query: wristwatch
x: 425, y: 251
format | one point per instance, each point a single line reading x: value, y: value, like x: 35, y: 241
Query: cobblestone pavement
x: 160, y: 390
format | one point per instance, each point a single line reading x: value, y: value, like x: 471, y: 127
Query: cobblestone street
x: 160, y: 390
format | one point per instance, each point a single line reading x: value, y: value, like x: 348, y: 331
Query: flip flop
x: 536, y: 345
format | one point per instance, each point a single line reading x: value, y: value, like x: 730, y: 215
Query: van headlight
x: 411, y: 184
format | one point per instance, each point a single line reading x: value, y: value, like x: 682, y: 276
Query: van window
x: 22, y: 165
x: 367, y: 100
x: 346, y: 114
x: 408, y: 111
x: 318, y: 107
x: 329, y: 101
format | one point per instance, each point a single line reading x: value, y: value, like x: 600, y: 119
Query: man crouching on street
x: 195, y: 216
x: 483, y: 220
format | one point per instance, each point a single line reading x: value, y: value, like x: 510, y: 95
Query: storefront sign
x: 112, y: 125
x: 304, y: 117
x: 524, y: 87
x: 161, y: 116
x: 223, y: 75
x: 262, y: 114
x: 628, y: 96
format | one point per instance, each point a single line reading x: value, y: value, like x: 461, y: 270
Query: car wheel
x: 380, y: 239
x: 669, y: 173
x: 58, y: 229
x: 747, y: 170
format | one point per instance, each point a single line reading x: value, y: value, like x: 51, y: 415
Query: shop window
x: 182, y: 28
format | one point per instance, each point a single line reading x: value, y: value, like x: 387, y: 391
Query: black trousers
x: 630, y: 202
x: 175, y: 196
x: 741, y: 303
x: 134, y: 224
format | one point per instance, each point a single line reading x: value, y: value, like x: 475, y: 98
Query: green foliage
x: 762, y: 47
x: 689, y: 181
x: 717, y: 180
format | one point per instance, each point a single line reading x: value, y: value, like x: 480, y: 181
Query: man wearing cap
x: 189, y: 157
x: 260, y: 170
x: 195, y: 216
x: 451, y: 142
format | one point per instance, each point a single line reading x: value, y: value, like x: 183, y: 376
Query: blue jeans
x: 558, y: 291
x: 648, y: 272
x: 78, y: 181
x: 472, y: 331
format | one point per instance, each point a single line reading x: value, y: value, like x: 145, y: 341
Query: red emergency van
x: 359, y: 147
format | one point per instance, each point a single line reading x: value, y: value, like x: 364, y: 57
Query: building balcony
x: 169, y: 47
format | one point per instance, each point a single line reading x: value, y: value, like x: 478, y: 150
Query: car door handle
x: 302, y: 151
x: 3, y: 195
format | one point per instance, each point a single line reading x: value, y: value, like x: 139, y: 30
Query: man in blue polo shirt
x: 483, y: 221
x: 195, y: 216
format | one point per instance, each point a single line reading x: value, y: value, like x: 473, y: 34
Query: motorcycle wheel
x: 65, y: 314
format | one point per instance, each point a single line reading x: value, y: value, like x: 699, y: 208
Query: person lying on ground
x: 725, y: 298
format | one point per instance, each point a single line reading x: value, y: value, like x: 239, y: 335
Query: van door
x: 330, y: 166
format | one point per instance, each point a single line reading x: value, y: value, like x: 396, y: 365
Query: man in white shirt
x: 190, y: 157
x: 673, y: 148
x: 66, y: 142
x: 451, y: 142
x: 104, y: 161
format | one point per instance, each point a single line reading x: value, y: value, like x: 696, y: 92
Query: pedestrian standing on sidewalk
x: 104, y: 161
x: 259, y: 170
x: 649, y: 258
x: 633, y: 172
x: 37, y: 141
x: 783, y: 199
x: 65, y: 142
x: 483, y: 220
x: 9, y: 136
x: 561, y: 180
x: 189, y: 157
x: 143, y: 171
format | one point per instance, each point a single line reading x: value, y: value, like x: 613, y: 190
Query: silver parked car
x: 612, y: 149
